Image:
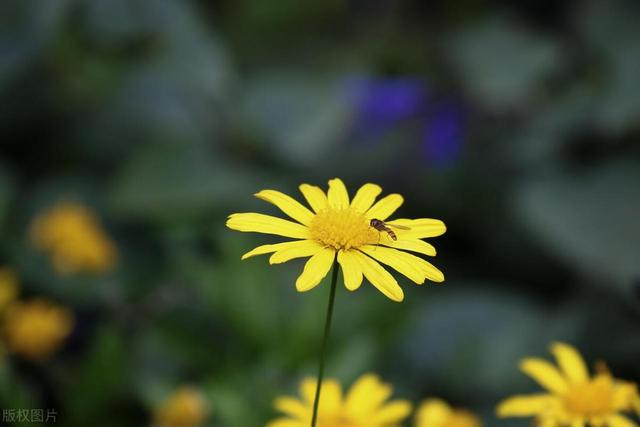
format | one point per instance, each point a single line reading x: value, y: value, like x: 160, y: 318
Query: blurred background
x: 132, y: 129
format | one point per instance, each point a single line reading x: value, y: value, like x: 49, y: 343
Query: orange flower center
x: 342, y: 229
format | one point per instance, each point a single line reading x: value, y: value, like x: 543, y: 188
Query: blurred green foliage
x: 165, y: 116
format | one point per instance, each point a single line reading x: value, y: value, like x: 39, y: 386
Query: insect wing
x: 399, y: 227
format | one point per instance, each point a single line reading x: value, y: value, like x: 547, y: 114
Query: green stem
x: 325, y: 338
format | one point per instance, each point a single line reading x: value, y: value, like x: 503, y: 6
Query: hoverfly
x: 382, y: 226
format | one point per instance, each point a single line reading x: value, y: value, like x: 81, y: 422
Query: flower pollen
x: 343, y: 228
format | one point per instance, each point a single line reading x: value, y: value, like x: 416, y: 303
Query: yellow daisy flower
x: 186, y: 407
x: 365, y: 405
x: 337, y: 225
x: 437, y: 413
x: 35, y: 329
x: 573, y: 397
x: 71, y: 233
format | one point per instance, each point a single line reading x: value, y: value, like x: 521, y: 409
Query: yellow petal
x: 365, y: 197
x: 413, y: 245
x: 379, y: 277
x: 620, y: 421
x: 577, y: 423
x: 433, y: 412
x: 366, y: 394
x: 330, y: 397
x: 267, y: 249
x: 429, y: 270
x: 286, y: 422
x: 399, y: 261
x: 315, y: 269
x: 625, y: 396
x: 545, y: 374
x: 259, y: 223
x: 314, y: 196
x: 308, y: 389
x: 547, y: 422
x: 392, y: 413
x: 351, y: 270
x: 525, y: 406
x: 292, y: 407
x: 337, y: 195
x: 571, y: 363
x: 299, y: 249
x: 287, y: 204
x: 420, y: 228
x: 385, y: 207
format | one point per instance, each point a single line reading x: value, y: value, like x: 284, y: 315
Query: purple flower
x: 380, y: 103
x: 443, y: 135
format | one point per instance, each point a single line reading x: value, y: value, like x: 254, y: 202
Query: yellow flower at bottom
x: 338, y: 226
x: 573, y: 397
x: 437, y: 413
x: 74, y: 238
x: 35, y: 329
x: 365, y: 405
x: 186, y: 407
x: 8, y: 287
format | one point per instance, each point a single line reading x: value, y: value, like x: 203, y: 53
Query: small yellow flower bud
x: 186, y: 407
x: 36, y: 329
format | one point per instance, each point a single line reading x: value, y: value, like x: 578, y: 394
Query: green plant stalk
x: 325, y: 339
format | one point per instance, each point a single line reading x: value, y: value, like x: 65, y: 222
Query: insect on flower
x: 382, y: 226
x: 337, y: 228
